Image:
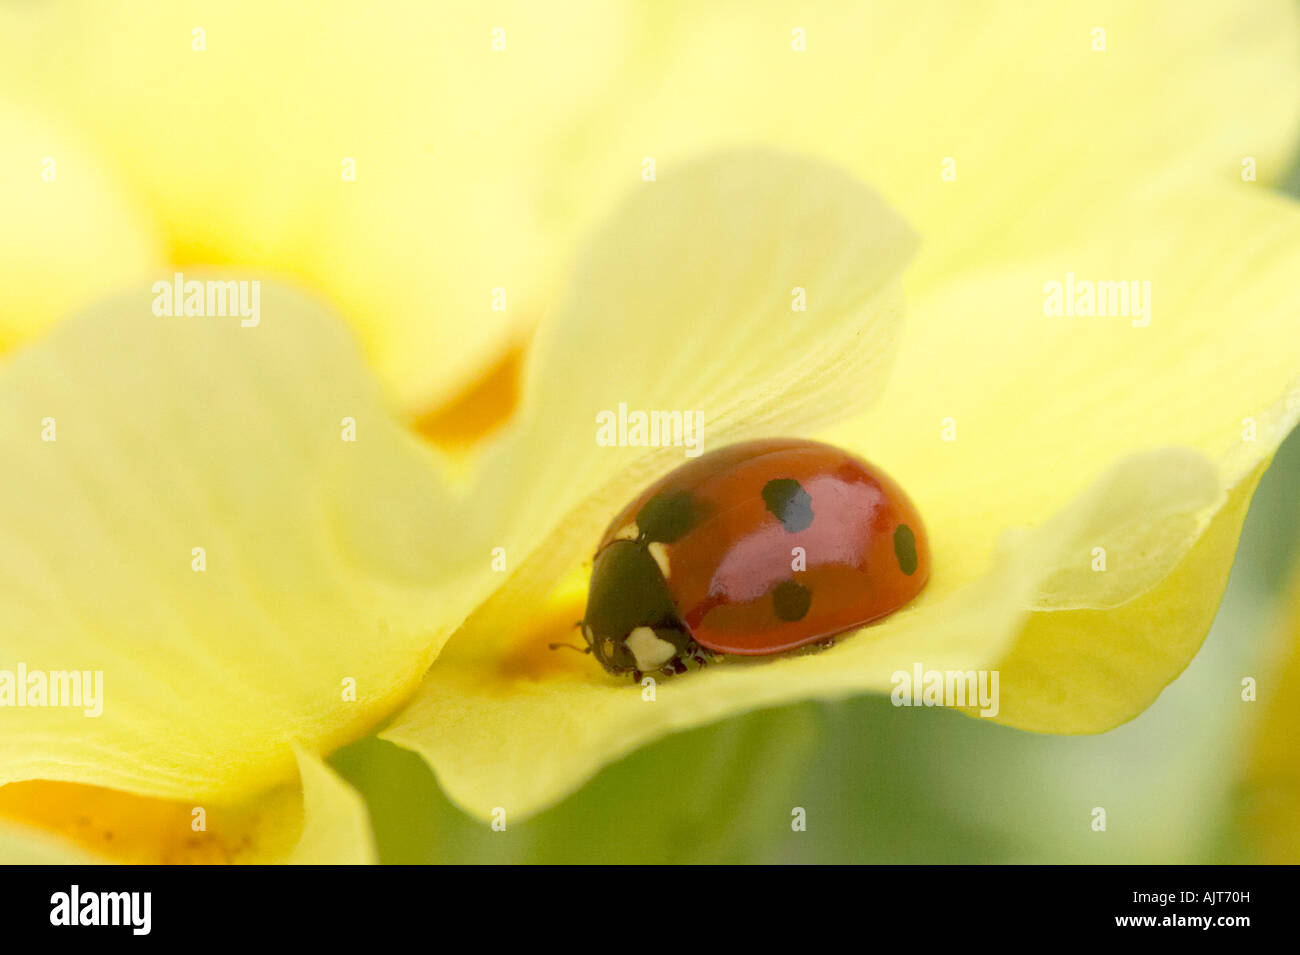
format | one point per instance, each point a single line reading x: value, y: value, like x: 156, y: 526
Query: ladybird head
x: 631, y: 623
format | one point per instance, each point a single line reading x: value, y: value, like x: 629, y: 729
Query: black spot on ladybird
x: 667, y: 516
x: 905, y: 549
x: 791, y: 600
x: 789, y: 503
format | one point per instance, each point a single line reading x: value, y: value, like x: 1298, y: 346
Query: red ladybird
x: 753, y: 549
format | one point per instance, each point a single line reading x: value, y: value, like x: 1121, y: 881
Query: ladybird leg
x: 568, y: 646
x: 636, y: 676
x: 826, y: 644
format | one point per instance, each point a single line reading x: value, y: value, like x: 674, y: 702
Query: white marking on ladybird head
x: 659, y: 551
x: 649, y: 651
x: 628, y: 532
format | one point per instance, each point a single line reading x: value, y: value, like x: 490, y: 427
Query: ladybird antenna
x: 569, y: 646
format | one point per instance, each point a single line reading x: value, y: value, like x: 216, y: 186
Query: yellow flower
x: 1269, y: 792
x: 393, y: 159
x: 70, y: 233
x: 1030, y: 155
x: 1141, y: 439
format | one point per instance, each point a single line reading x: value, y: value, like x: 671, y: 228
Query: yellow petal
x: 479, y: 166
x: 335, y: 826
x: 1036, y: 405
x: 1087, y: 670
x: 319, y: 820
x: 461, y: 425
x: 1070, y: 434
x: 517, y: 727
x: 683, y: 304
x: 237, y: 126
x: 1270, y: 786
x: 181, y: 511
x: 69, y: 236
x: 21, y: 845
x: 986, y: 124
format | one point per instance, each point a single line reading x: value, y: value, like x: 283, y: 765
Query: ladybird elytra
x: 753, y: 549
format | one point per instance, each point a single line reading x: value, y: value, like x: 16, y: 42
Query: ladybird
x: 753, y: 549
